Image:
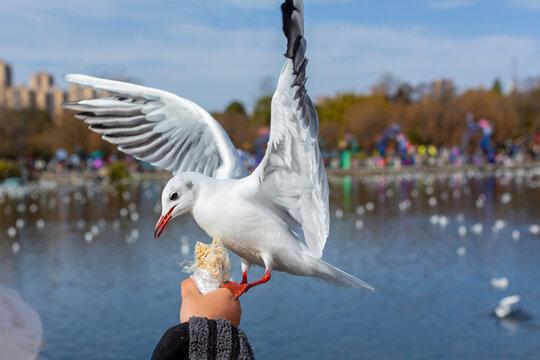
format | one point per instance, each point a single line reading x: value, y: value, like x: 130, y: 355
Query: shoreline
x: 442, y: 169
x: 71, y: 177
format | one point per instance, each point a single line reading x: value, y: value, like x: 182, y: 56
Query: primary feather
x: 158, y: 127
x: 291, y: 174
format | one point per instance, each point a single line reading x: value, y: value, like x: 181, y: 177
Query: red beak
x: 163, y: 220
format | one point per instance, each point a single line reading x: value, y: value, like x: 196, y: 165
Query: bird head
x: 177, y: 198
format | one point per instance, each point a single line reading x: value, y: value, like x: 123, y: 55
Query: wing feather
x: 291, y: 175
x: 158, y: 127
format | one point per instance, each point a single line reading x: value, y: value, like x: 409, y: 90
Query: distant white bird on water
x: 499, y: 283
x: 504, y: 308
x: 534, y: 229
x: 278, y: 216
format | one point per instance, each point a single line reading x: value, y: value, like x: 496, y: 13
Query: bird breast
x: 241, y: 225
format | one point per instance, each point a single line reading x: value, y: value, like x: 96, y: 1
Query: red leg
x: 264, y: 279
x: 239, y: 289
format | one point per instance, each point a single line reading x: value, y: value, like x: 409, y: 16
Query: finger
x: 189, y: 288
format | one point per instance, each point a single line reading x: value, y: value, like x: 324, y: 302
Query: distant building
x: 41, y: 93
x: 44, y: 101
x: 5, y: 75
x: 20, y: 97
x: 41, y: 82
x: 5, y: 81
x: 442, y: 89
x: 79, y: 93
x: 58, y: 98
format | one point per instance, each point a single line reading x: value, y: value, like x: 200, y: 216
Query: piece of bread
x: 212, y: 266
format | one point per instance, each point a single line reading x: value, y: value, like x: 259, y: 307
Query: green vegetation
x: 235, y: 108
x: 428, y: 114
x: 117, y: 171
x: 9, y: 169
x: 262, y: 111
x: 497, y: 87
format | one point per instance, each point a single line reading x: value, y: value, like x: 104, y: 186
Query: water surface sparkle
x: 105, y: 289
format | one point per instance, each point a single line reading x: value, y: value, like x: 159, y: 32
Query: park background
x: 429, y: 126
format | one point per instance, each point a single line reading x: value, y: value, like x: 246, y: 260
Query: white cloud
x: 50, y: 9
x: 346, y: 55
x: 213, y: 65
x: 449, y: 4
x: 526, y: 4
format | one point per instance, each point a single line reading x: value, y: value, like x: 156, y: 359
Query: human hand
x: 219, y: 303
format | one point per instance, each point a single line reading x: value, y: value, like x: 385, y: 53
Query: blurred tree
x: 527, y: 104
x: 24, y: 132
x: 237, y: 125
x: 387, y: 85
x: 262, y: 112
x: 235, y: 107
x: 497, y: 87
x: 73, y: 134
x: 428, y: 114
x: 333, y: 109
x: 404, y: 93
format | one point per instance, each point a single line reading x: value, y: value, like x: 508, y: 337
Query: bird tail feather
x: 335, y: 276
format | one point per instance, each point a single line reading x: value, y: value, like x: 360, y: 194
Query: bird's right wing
x: 291, y: 177
x: 158, y: 127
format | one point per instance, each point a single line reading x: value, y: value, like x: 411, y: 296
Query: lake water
x: 111, y: 293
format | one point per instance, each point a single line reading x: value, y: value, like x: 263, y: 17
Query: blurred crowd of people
x: 401, y: 152
x: 392, y: 149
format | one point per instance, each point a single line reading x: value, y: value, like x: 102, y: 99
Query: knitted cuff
x: 217, y: 339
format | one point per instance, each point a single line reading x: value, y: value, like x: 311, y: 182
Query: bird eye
x: 174, y: 196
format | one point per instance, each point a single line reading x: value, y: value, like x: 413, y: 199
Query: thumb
x: 189, y: 288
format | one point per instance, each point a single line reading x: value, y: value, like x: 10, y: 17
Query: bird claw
x: 236, y: 289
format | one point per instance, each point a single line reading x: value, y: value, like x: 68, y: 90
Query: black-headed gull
x: 278, y: 216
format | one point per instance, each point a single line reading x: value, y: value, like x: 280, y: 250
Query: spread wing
x: 158, y: 127
x: 509, y: 300
x: 291, y: 176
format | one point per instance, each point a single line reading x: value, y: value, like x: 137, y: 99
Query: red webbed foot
x: 236, y: 289
x: 239, y: 289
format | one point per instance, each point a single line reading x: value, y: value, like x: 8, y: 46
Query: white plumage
x: 504, y: 308
x: 278, y: 216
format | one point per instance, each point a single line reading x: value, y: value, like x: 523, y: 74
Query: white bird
x: 278, y: 216
x: 534, y: 229
x: 505, y: 306
x: 499, y: 283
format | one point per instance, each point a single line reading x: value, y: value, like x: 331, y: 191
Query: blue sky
x: 214, y: 51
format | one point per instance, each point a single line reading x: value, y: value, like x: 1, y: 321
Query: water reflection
x: 429, y: 243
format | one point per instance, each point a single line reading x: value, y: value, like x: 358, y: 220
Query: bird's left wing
x: 510, y: 300
x: 159, y: 127
x: 291, y: 175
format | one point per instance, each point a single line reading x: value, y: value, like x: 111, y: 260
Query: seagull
x: 504, y: 308
x: 499, y: 283
x: 277, y: 217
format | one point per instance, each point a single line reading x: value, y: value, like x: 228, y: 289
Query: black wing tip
x: 293, y: 27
